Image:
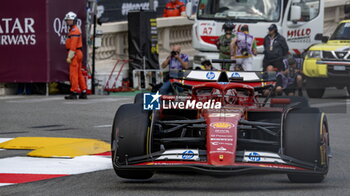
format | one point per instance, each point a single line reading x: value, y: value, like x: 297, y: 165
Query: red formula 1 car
x: 236, y: 134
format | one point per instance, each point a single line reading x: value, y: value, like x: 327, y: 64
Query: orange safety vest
x: 174, y: 9
x: 74, y: 39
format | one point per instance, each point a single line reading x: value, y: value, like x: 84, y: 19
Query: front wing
x: 195, y: 160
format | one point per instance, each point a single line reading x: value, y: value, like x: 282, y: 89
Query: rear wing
x: 223, y: 76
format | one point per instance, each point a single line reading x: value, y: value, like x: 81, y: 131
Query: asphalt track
x: 55, y: 117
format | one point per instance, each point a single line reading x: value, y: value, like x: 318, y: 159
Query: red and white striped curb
x: 14, y: 170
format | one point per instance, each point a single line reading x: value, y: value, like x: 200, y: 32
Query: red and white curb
x: 14, y: 170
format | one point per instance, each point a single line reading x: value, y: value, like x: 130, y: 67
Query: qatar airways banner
x: 32, y: 38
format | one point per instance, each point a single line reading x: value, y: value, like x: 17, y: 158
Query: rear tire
x: 129, y: 139
x: 305, y: 134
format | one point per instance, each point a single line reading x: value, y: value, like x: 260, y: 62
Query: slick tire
x: 306, y: 138
x: 129, y: 139
x: 138, y: 98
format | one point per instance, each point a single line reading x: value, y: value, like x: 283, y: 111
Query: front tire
x: 138, y: 98
x: 306, y: 138
x: 129, y: 139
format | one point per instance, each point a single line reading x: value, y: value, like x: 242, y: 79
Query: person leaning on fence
x: 176, y: 61
x: 174, y: 8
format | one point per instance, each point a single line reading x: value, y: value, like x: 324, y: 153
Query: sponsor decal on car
x: 223, y: 115
x: 278, y: 166
x: 179, y: 154
x: 221, y: 149
x: 251, y: 156
x: 188, y: 154
x: 220, y: 152
x: 254, y: 156
x: 221, y: 131
x: 221, y: 139
x: 235, y: 75
x: 221, y: 143
x: 210, y: 75
x: 225, y: 136
x: 222, y: 125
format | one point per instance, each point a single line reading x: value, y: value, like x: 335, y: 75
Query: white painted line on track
x: 31, y: 165
x: 347, y: 102
x: 6, y: 184
x: 11, y: 97
x: 92, y: 101
x: 103, y: 126
x: 35, y: 100
x: 5, y: 139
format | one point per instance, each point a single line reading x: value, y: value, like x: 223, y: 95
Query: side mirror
x: 189, y: 10
x: 295, y: 13
x: 320, y: 37
x: 325, y: 39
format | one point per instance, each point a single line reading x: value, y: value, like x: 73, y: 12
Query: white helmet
x: 70, y: 16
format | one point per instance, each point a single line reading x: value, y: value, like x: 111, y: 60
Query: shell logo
x: 222, y: 125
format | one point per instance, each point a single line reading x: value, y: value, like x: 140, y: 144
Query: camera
x: 174, y: 53
x: 244, y: 52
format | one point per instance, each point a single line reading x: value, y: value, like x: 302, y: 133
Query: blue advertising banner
x: 117, y: 10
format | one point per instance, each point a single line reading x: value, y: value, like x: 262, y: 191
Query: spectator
x: 290, y: 79
x: 176, y: 61
x: 174, y: 8
x: 243, y: 47
x: 206, y: 65
x: 224, y: 42
x: 275, y: 50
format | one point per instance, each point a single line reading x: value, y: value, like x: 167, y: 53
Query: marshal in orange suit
x: 74, y: 46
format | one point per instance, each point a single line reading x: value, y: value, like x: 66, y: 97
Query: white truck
x: 297, y: 20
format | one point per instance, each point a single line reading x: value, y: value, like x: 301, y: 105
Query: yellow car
x: 328, y: 64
